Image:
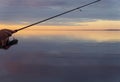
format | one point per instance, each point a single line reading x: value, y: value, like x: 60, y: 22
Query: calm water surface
x: 62, y: 56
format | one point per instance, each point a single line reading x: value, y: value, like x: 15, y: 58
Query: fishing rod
x: 56, y: 16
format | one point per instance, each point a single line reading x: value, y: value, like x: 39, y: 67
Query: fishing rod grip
x: 15, y: 31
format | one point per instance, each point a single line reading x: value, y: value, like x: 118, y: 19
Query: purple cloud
x: 35, y: 3
x: 29, y: 10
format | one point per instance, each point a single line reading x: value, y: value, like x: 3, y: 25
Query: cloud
x: 16, y: 11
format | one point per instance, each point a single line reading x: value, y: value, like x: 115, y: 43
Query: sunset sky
x: 80, y: 46
x: 17, y: 13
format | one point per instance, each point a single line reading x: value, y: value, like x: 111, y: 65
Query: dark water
x: 62, y: 58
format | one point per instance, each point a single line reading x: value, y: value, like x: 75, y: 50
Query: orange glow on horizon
x: 100, y: 24
x: 36, y: 31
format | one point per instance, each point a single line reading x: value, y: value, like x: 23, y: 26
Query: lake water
x: 62, y: 56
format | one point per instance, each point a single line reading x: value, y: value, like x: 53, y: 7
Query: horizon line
x: 76, y: 29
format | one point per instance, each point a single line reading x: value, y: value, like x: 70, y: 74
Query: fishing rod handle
x: 15, y: 31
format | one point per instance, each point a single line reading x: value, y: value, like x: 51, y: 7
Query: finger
x: 7, y: 32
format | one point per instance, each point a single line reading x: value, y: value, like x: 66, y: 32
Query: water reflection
x: 62, y: 56
x: 74, y: 34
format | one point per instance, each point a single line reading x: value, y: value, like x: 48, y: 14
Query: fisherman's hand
x: 5, y: 33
